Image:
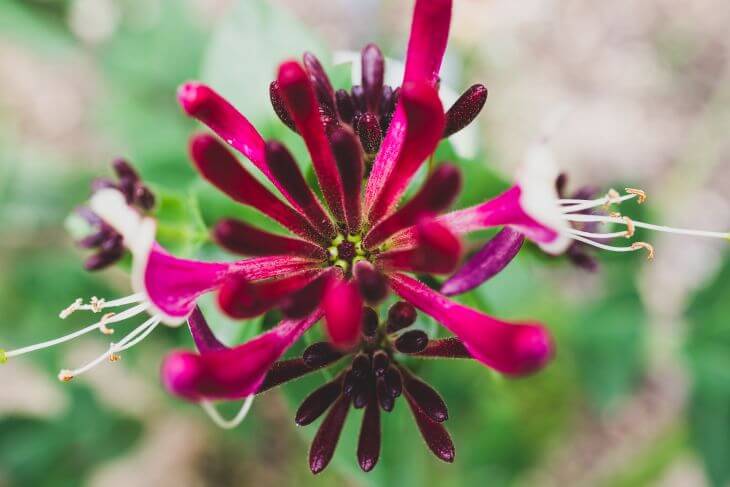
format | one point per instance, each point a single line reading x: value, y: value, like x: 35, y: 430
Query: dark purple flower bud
x: 400, y: 315
x: 322, y: 86
x: 284, y: 371
x: 387, y: 101
x: 101, y: 260
x: 370, y: 322
x: 368, y: 129
x: 373, y: 68
x: 385, y: 399
x: 325, y: 441
x: 426, y: 398
x: 394, y: 381
x: 144, y: 198
x: 380, y: 363
x: 361, y: 397
x: 279, y: 106
x: 361, y: 366
x: 124, y: 170
x: 93, y: 240
x: 465, y: 109
x: 358, y: 98
x: 349, y: 384
x: 345, y: 106
x: 372, y: 283
x: 368, y: 445
x: 318, y: 402
x: 321, y: 354
x: 433, y: 433
x: 445, y: 348
x: 413, y: 341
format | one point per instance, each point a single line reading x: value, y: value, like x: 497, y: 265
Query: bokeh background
x: 640, y: 392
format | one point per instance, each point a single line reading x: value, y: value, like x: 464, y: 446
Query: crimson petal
x: 241, y: 238
x: 342, y: 305
x: 325, y: 441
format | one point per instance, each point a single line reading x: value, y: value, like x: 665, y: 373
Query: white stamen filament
x: 574, y: 231
x: 133, y: 338
x: 128, y: 313
x: 648, y: 226
x: 582, y: 205
x: 611, y: 248
x: 220, y: 421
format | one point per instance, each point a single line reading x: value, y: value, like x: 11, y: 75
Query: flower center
x: 346, y: 251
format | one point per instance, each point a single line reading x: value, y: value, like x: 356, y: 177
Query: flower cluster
x: 346, y: 251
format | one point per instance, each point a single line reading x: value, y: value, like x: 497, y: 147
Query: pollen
x: 66, y: 312
x: 612, y: 197
x: 65, y: 375
x: 630, y: 229
x: 643, y: 245
x: 102, y: 324
x: 97, y: 304
x: 114, y: 357
x: 640, y: 194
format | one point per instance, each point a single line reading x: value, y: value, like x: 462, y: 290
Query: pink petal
x: 232, y: 373
x: 342, y: 305
x: 437, y: 251
x: 424, y: 126
x: 204, y: 338
x: 241, y: 238
x: 298, y: 92
x: 513, y: 349
x: 426, y: 48
x: 436, y: 195
x: 348, y: 154
x: 427, y: 43
x: 201, y: 102
x: 222, y: 169
x: 241, y: 298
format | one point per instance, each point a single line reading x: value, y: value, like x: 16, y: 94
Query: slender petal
x: 434, y: 434
x: 231, y: 373
x: 201, y: 102
x: 485, y: 264
x: 300, y: 99
x: 437, y: 251
x: 425, y: 397
x: 284, y: 371
x: 325, y: 441
x: 436, y: 195
x: 279, y: 106
x: 321, y: 354
x: 424, y: 126
x: 348, y: 154
x: 427, y: 43
x: 512, y: 349
x: 205, y: 340
x: 342, y: 305
x: 322, y: 86
x: 240, y: 298
x: 465, y: 109
x: 241, y: 238
x: 368, y: 445
x: 316, y: 403
x: 285, y: 169
x: 445, y: 348
x: 221, y: 168
x: 302, y: 302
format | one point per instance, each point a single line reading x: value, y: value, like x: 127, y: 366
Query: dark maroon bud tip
x: 465, y: 109
x: 279, y: 106
x: 433, y: 433
x: 345, y: 106
x: 372, y: 283
x: 413, y: 341
x: 368, y: 445
x: 370, y: 322
x: 385, y: 399
x: 401, y: 315
x: 373, y: 69
x: 358, y: 98
x: 322, y: 86
x: 320, y: 354
x: 361, y: 398
x: 124, y: 170
x: 349, y: 384
x: 361, y: 366
x: 426, y: 398
x: 101, y: 261
x: 325, y: 441
x: 318, y: 402
x: 394, y: 381
x: 387, y: 100
x: 380, y: 363
x: 369, y: 131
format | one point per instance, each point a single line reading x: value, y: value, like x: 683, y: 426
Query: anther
x: 640, y: 194
x: 630, y: 229
x: 612, y: 197
x: 113, y: 357
x: 644, y: 245
x: 102, y: 324
x: 70, y: 309
x: 65, y: 375
x: 97, y: 304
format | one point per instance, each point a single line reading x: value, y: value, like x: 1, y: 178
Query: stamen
x: 133, y: 338
x: 128, y: 313
x: 630, y: 229
x: 644, y: 245
x: 635, y: 246
x: 612, y: 197
x: 648, y: 226
x: 102, y: 324
x: 573, y: 205
x: 209, y: 408
x: 575, y: 231
x: 96, y: 304
x: 641, y: 195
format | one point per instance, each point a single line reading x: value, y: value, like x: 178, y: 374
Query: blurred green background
x: 640, y: 391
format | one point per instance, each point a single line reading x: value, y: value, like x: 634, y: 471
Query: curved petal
x: 513, y: 349
x: 342, y: 305
x: 232, y: 373
x: 204, y: 338
x: 485, y: 264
